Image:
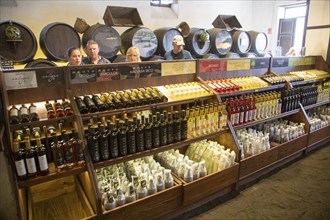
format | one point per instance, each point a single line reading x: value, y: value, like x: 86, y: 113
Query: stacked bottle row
x: 119, y: 99
x: 236, y: 84
x: 128, y: 136
x: 205, y: 119
x: 311, y: 74
x: 126, y: 182
x: 283, y: 78
x: 32, y: 157
x: 188, y: 90
x: 323, y: 92
x: 319, y: 117
x: 29, y: 114
x: 247, y: 108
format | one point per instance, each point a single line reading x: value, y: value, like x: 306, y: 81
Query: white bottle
x: 160, y: 182
x: 202, y: 169
x: 152, y: 189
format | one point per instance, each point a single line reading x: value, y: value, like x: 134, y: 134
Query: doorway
x: 291, y: 27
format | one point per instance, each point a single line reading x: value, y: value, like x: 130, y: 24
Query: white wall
x: 256, y: 15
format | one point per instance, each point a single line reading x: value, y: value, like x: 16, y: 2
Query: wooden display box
x: 59, y: 199
x: 150, y: 207
x: 318, y: 136
x: 258, y: 162
x: 121, y: 16
x: 206, y: 186
x: 291, y: 147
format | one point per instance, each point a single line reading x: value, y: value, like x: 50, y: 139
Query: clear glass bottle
x: 13, y: 115
x: 18, y: 157
x: 42, y: 157
x: 30, y: 159
x: 23, y: 114
x: 58, y: 156
x: 33, y: 113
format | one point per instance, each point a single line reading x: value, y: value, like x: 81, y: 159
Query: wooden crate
x: 150, y: 207
x: 255, y: 163
x: 291, y: 147
x: 59, y: 199
x: 206, y: 186
x: 318, y: 136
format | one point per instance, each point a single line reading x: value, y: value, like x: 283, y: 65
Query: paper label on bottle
x: 43, y: 164
x: 20, y: 167
x: 13, y: 112
x: 23, y: 111
x: 33, y: 109
x: 31, y: 165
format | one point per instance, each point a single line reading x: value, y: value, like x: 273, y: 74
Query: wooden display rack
x: 81, y: 184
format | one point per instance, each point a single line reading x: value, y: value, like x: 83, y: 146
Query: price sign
x: 209, y: 66
x: 238, y: 64
x: 20, y: 80
x: 50, y: 77
x: 301, y: 61
x: 259, y: 63
x: 177, y: 68
x: 280, y: 62
x: 82, y: 75
x: 136, y: 70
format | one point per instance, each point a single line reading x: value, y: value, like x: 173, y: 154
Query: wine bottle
x: 33, y: 113
x: 103, y: 143
x: 170, y: 128
x: 58, y: 156
x: 131, y: 142
x: 18, y: 157
x: 184, y: 125
x: 100, y: 105
x: 163, y: 130
x: 50, y: 111
x: 155, y: 132
x: 133, y: 101
x: 59, y: 111
x: 68, y: 151
x: 139, y: 134
x: 146, y: 96
x: 113, y: 139
x: 147, y: 135
x: 93, y: 145
x: 30, y: 159
x: 176, y: 127
x: 81, y: 105
x: 13, y: 115
x: 118, y: 104
x: 42, y: 158
x: 90, y: 104
x: 122, y: 139
x: 105, y: 99
x: 67, y: 108
x: 23, y: 114
x: 120, y: 95
x: 78, y: 149
x: 139, y: 97
x: 153, y: 94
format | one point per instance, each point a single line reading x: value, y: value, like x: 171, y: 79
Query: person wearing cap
x: 92, y: 50
x: 178, y: 53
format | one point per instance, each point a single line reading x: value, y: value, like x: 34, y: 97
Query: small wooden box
x: 318, y: 136
x: 150, y: 207
x: 291, y: 147
x: 59, y: 199
x: 122, y: 16
x: 258, y: 162
x: 206, y: 186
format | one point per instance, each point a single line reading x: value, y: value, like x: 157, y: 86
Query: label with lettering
x: 238, y: 64
x: 301, y: 61
x: 82, y: 75
x: 134, y: 71
x: 50, y: 77
x: 107, y: 73
x: 280, y: 62
x: 20, y: 80
x: 259, y: 63
x: 178, y: 68
x: 209, y: 66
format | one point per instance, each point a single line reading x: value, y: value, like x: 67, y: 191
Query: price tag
x: 178, y: 68
x: 20, y: 80
x: 301, y: 61
x: 208, y: 66
x: 238, y: 64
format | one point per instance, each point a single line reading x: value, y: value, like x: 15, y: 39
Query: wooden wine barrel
x: 40, y: 63
x: 221, y: 41
x: 18, y: 51
x: 241, y: 41
x: 193, y: 43
x: 259, y: 42
x: 142, y: 38
x: 232, y: 55
x: 107, y: 38
x: 56, y: 38
x: 165, y: 37
x: 210, y: 56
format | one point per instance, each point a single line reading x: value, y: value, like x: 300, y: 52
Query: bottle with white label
x: 30, y: 159
x: 42, y: 158
x: 19, y: 162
